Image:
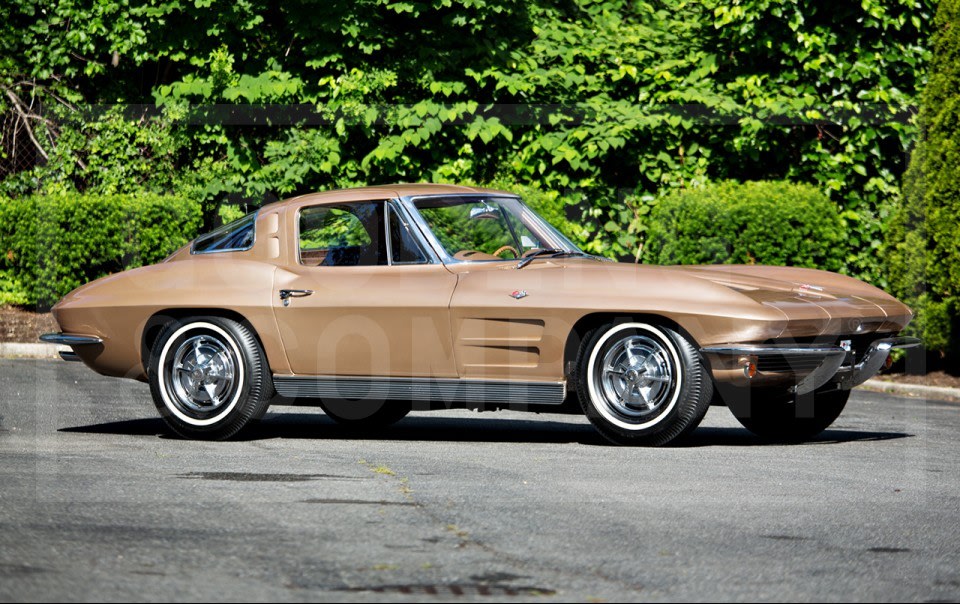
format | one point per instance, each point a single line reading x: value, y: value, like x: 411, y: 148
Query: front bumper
x: 801, y: 368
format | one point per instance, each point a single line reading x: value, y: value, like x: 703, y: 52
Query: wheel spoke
x: 197, y: 353
x: 211, y: 391
x: 643, y: 399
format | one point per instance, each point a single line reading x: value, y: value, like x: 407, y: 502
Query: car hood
x: 815, y: 302
x: 715, y: 303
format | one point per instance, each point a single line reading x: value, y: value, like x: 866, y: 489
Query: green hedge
x: 778, y: 223
x: 50, y: 245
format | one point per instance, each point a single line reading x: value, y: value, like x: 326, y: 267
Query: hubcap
x: 635, y: 377
x: 203, y: 373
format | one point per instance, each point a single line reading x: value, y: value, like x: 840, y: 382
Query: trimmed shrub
x: 779, y: 223
x: 50, y: 245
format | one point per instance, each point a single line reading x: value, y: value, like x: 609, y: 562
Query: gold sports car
x: 371, y: 302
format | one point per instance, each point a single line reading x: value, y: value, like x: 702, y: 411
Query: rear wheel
x: 777, y: 417
x: 365, y: 415
x: 209, y: 377
x: 641, y: 384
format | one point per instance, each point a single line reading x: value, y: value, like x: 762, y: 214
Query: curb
x: 917, y: 390
x: 20, y: 350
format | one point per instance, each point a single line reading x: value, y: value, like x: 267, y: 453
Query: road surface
x: 99, y: 502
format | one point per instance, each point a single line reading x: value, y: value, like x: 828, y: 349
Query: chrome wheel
x: 203, y: 374
x: 635, y: 377
x: 200, y: 373
x: 636, y: 380
x: 209, y: 376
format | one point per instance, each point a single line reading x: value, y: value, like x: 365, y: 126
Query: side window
x: 233, y: 237
x: 403, y: 246
x: 342, y: 235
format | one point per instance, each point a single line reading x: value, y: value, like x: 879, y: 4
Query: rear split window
x: 233, y: 237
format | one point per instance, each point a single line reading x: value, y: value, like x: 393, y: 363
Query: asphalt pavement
x: 99, y: 502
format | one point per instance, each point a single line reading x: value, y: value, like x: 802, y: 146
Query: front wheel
x: 642, y: 384
x: 777, y: 417
x: 209, y: 377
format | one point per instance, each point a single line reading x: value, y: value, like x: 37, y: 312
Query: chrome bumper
x: 812, y: 366
x: 66, y: 339
x: 872, y: 361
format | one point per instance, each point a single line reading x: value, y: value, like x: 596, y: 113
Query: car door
x: 362, y: 296
x: 499, y: 333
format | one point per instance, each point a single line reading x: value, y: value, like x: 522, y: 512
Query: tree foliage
x: 923, y: 250
x: 610, y: 102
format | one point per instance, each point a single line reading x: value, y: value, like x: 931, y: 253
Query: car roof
x: 383, y: 192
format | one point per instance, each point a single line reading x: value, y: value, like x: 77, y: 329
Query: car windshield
x: 488, y: 228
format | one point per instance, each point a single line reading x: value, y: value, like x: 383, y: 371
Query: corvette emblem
x: 518, y: 293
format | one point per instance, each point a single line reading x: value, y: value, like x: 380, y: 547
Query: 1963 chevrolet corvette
x: 372, y: 302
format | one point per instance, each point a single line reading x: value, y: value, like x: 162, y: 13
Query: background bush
x: 923, y: 248
x: 53, y: 244
x: 777, y: 223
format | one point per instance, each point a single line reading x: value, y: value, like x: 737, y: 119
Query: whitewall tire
x: 641, y: 383
x: 209, y: 377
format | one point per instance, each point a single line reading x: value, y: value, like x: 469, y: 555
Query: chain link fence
x: 18, y: 151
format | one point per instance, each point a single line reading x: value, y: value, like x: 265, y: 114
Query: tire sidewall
x: 683, y: 407
x: 246, y: 400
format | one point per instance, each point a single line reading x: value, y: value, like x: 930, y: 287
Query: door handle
x: 286, y: 294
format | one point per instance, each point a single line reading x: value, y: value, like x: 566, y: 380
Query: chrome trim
x: 387, y: 235
x: 394, y: 206
x: 822, y: 374
x: 831, y: 358
x: 415, y: 230
x: 420, y: 389
x: 69, y: 339
x: 770, y: 349
x: 69, y: 355
x: 873, y: 360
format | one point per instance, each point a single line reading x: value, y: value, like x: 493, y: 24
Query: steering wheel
x: 504, y: 248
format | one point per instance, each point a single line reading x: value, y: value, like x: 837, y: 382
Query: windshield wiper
x: 550, y: 252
